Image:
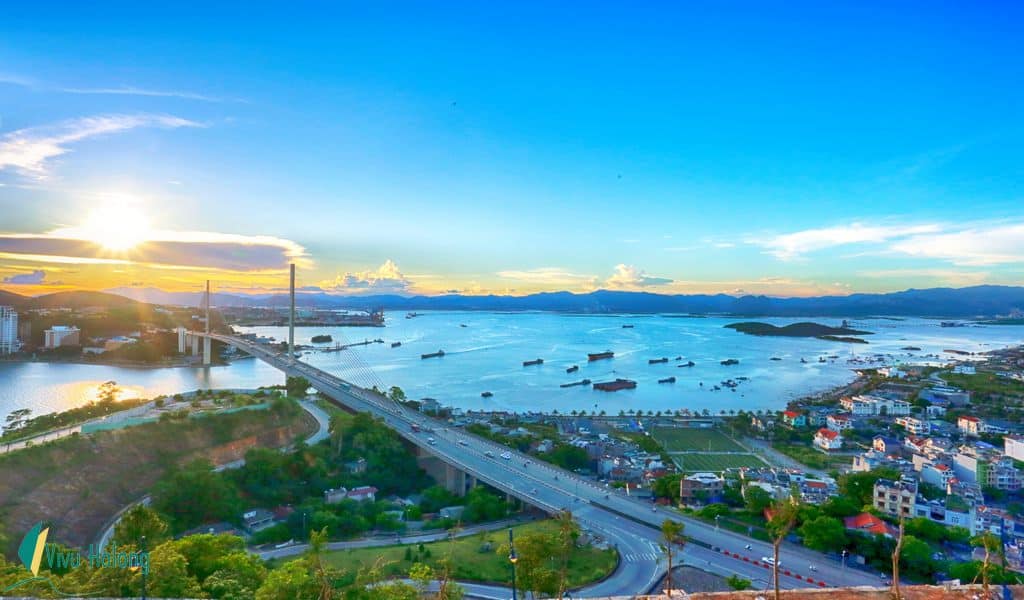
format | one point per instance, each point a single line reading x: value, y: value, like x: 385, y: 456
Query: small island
x: 802, y: 329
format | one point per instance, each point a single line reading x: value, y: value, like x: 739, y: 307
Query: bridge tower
x: 207, y: 345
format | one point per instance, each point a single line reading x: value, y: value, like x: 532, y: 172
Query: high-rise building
x: 8, y: 330
x: 61, y: 335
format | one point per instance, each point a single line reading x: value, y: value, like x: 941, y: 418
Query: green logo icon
x: 32, y: 545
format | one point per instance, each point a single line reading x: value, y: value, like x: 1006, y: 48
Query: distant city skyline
x: 792, y: 150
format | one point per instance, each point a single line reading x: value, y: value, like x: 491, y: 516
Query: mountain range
x: 966, y: 302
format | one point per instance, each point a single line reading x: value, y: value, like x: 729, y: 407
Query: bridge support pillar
x: 206, y: 351
x: 181, y: 340
x: 453, y: 479
x: 193, y: 342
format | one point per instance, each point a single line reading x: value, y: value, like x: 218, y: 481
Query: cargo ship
x: 688, y: 363
x: 530, y: 363
x: 575, y: 383
x: 614, y: 386
x: 486, y: 395
x: 667, y: 380
x: 437, y: 354
x: 627, y: 326
x: 572, y: 369
x: 655, y: 361
x: 396, y: 344
x: 601, y: 355
x: 729, y: 361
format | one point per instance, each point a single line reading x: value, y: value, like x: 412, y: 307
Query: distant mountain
x: 12, y: 299
x: 968, y: 302
x: 78, y: 299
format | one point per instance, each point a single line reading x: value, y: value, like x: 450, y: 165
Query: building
x: 867, y: 405
x: 357, y: 466
x: 964, y: 370
x: 869, y: 523
x: 61, y: 335
x: 8, y: 330
x: 937, y: 474
x: 914, y: 426
x: 892, y: 372
x: 970, y: 425
x: 794, y: 418
x: 839, y: 422
x: 257, y: 519
x: 1013, y: 446
x: 363, y: 494
x: 886, y: 445
x: 828, y: 440
x: 700, y: 487
x: 116, y: 342
x: 334, y: 496
x: 945, y: 396
x: 986, y: 467
x: 895, y: 497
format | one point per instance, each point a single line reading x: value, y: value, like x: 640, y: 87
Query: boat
x: 775, y: 358
x: 627, y: 326
x: 911, y: 348
x: 396, y: 344
x: 729, y: 361
x: 411, y: 315
x: 679, y: 358
x: 656, y: 361
x: 530, y: 363
x: 486, y: 395
x: 667, y: 380
x: 573, y: 369
x: 803, y: 360
x: 575, y: 383
x: 688, y: 363
x: 821, y: 359
x: 463, y: 325
x: 601, y: 355
x: 437, y: 354
x: 614, y: 386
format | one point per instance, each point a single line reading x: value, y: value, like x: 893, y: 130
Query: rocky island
x: 802, y: 329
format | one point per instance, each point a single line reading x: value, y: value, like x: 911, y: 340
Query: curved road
x: 630, y: 525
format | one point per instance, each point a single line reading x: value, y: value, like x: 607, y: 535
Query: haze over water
x: 487, y: 355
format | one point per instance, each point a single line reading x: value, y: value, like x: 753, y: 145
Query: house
x: 333, y: 496
x: 364, y: 493
x: 257, y: 519
x: 892, y: 372
x: 886, y: 445
x: 452, y: 512
x: 869, y: 405
x: 970, y: 425
x: 933, y: 411
x: 1013, y: 446
x: 700, y: 487
x: 895, y: 497
x: 839, y: 422
x: 794, y: 418
x: 914, y: 425
x: 813, y: 491
x: 869, y: 523
x: 937, y: 474
x: 356, y: 467
x: 828, y: 440
x: 762, y: 423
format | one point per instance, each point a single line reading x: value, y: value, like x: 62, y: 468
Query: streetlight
x: 844, y: 557
x: 716, y: 521
x: 512, y: 558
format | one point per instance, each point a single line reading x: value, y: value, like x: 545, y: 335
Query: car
x: 812, y: 567
x: 506, y: 455
x: 654, y: 509
x: 463, y: 443
x: 748, y: 546
x: 431, y: 441
x: 769, y: 560
x: 489, y: 454
x: 534, y: 491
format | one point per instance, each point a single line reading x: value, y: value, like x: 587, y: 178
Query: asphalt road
x: 631, y: 525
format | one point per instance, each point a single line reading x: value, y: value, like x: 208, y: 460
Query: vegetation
x: 715, y: 462
x: 802, y: 329
x: 676, y: 439
x: 19, y: 425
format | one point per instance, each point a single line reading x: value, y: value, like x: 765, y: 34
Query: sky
x: 788, y: 149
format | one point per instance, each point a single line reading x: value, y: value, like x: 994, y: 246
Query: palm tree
x: 784, y: 514
x: 671, y: 534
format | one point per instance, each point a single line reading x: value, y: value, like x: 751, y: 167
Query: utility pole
x: 512, y: 558
x: 144, y: 570
x: 291, y: 316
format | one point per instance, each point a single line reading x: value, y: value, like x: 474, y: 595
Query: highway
x: 632, y: 526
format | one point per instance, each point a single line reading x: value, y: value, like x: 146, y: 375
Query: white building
x: 839, y: 422
x: 61, y: 335
x: 893, y: 372
x: 826, y: 440
x: 914, y: 426
x: 1013, y: 446
x: 867, y: 405
x: 964, y: 370
x: 8, y: 330
x: 970, y: 425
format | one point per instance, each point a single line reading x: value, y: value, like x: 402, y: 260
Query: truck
x: 415, y: 428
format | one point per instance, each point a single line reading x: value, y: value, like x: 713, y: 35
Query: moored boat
x: 530, y: 363
x: 437, y: 354
x: 600, y: 355
x: 614, y: 386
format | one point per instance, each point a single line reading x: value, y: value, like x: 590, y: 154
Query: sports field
x: 689, y: 463
x: 677, y: 439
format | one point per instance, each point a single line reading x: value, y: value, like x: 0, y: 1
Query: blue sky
x: 801, y: 149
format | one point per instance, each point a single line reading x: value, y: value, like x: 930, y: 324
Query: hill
x: 803, y: 329
x: 79, y: 299
x: 967, y: 302
x: 12, y: 299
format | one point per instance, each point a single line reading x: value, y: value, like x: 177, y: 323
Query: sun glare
x: 115, y: 227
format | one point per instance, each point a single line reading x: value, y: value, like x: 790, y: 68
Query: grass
x: 812, y: 457
x: 676, y: 439
x: 715, y: 462
x: 985, y: 383
x: 471, y: 559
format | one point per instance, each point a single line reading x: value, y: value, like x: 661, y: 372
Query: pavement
x: 631, y: 525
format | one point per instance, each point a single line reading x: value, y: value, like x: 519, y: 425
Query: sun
x: 116, y: 227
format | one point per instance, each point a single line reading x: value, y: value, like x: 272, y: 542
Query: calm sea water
x: 487, y: 354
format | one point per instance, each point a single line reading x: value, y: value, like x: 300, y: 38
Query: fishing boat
x: 486, y: 395
x: 530, y: 363
x: 572, y: 369
x: 655, y: 361
x: 614, y: 386
x: 600, y: 355
x: 667, y: 380
x: 437, y: 354
x: 396, y: 344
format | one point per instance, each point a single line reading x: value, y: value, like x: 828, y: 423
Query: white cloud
x: 385, y: 279
x: 975, y: 245
x: 550, y: 276
x: 134, y: 91
x: 28, y: 150
x: 949, y: 276
x: 33, y: 278
x: 792, y: 246
x: 628, y: 276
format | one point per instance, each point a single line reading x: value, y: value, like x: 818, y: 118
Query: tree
x: 896, y: 562
x: 195, y: 495
x: 823, y: 534
x: 168, y: 574
x: 239, y: 576
x: 533, y: 567
x: 756, y: 499
x: 206, y: 553
x: 396, y: 394
x: 784, y: 515
x: 141, y: 521
x: 565, y: 542
x: 290, y: 581
x: 671, y: 534
x: 738, y: 583
x: 992, y: 545
x: 860, y: 486
x: 296, y: 386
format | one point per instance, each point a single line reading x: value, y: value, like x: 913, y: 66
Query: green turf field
x: 675, y: 439
x: 715, y: 462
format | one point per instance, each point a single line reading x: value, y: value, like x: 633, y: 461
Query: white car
x: 431, y: 441
x: 506, y: 455
x: 769, y: 560
x: 463, y: 443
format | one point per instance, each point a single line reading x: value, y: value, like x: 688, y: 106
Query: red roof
x: 816, y: 484
x: 868, y: 522
x: 969, y: 418
x: 792, y: 414
x: 828, y: 433
x: 839, y: 417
